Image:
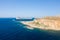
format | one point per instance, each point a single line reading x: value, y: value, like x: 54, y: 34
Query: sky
x: 29, y: 8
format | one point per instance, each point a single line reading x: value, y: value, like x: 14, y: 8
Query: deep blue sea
x: 10, y: 29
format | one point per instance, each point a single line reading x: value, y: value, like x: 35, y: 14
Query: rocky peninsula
x: 47, y: 23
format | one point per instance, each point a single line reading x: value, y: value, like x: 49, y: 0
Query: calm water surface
x: 13, y: 30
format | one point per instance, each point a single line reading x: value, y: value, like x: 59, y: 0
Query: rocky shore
x: 47, y: 23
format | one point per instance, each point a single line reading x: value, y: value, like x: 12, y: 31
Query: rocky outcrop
x: 47, y: 23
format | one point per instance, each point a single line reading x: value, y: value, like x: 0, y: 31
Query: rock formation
x: 47, y: 23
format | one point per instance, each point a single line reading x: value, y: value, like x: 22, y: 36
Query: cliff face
x: 48, y: 23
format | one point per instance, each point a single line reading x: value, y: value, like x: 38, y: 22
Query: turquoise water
x: 13, y: 30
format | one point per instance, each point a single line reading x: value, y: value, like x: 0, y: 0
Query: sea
x: 10, y: 29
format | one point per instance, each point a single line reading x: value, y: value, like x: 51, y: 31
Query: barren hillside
x: 48, y: 23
